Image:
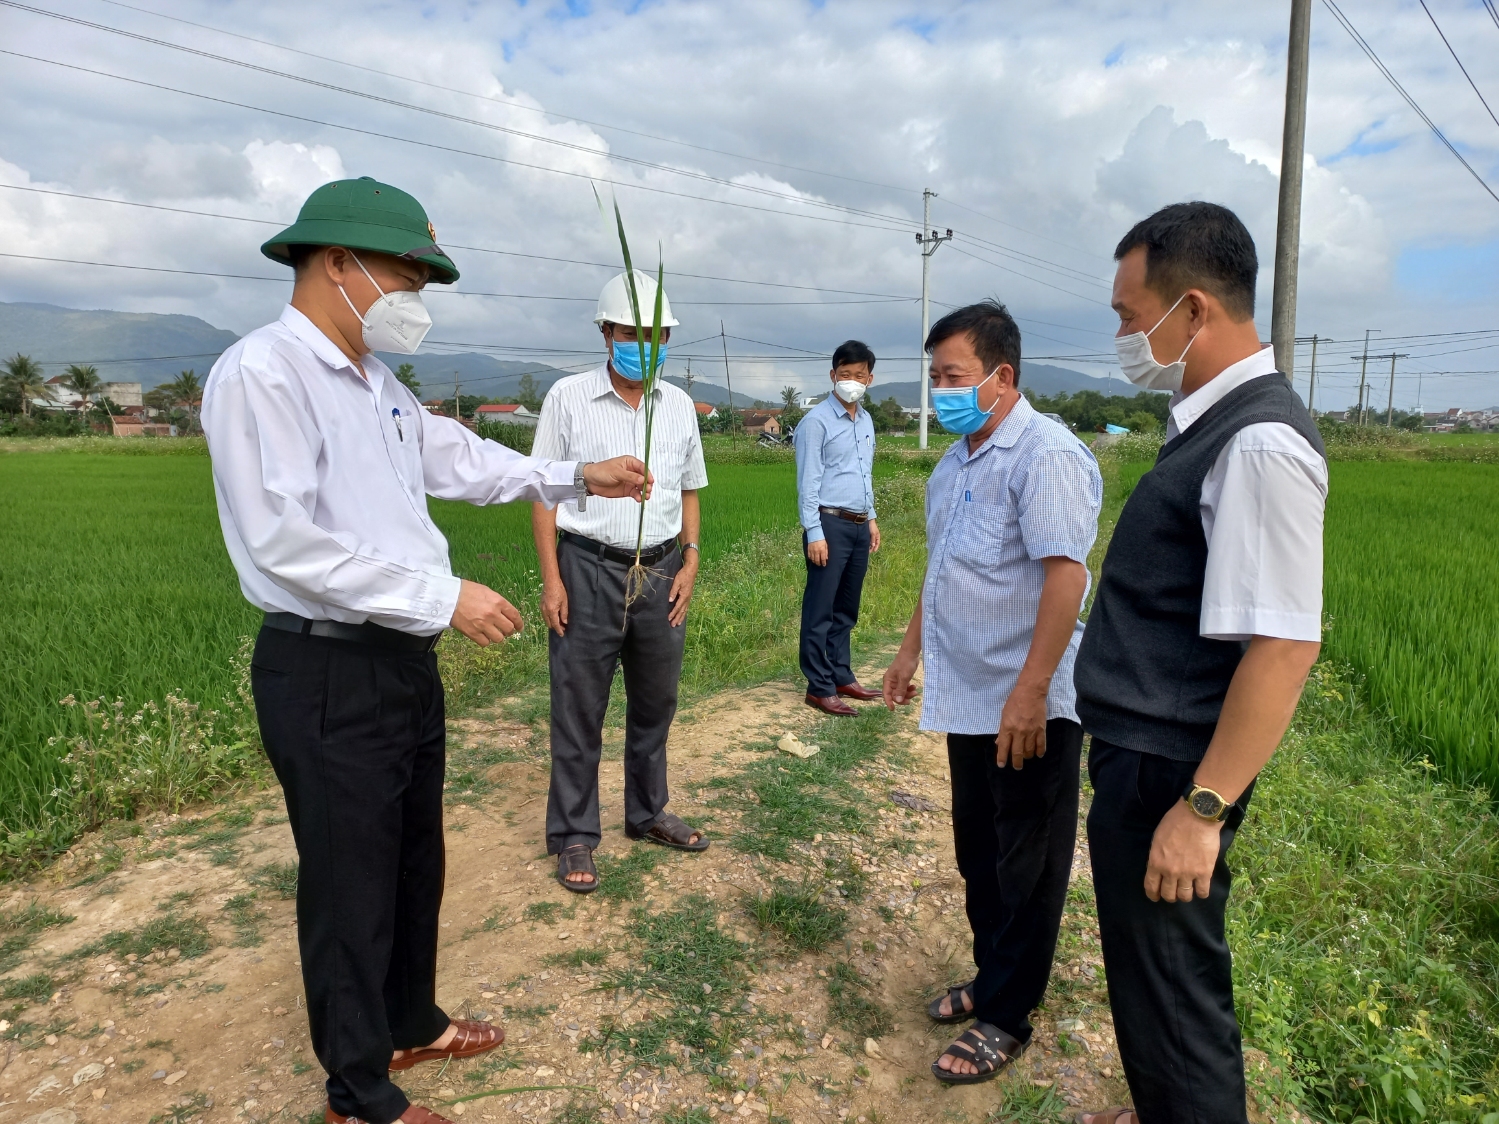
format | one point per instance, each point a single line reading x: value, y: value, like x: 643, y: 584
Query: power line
x: 519, y: 104
x: 1457, y: 60
x: 454, y: 246
x: 450, y: 148
x: 1410, y: 101
x: 1033, y: 280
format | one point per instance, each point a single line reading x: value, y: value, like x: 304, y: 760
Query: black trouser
x: 1014, y: 832
x: 1169, y: 971
x: 356, y: 736
x: 598, y: 639
x: 830, y: 605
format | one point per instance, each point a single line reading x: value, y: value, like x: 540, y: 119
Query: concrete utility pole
x: 1311, y: 385
x: 1389, y: 411
x: 689, y: 378
x: 457, y: 402
x: 1362, y: 372
x: 928, y: 240
x: 1288, y: 219
x: 730, y: 378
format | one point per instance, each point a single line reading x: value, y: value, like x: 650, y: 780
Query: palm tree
x: 85, y: 382
x: 184, y: 391
x: 23, y: 379
x: 790, y: 397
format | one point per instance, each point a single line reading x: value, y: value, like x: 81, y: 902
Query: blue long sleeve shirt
x: 834, y: 462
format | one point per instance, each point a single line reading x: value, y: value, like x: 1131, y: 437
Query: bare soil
x: 222, y: 1035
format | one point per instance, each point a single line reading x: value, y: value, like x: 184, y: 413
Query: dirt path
x: 194, y: 1009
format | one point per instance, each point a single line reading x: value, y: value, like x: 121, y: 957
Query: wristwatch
x: 686, y: 546
x: 581, y: 485
x: 1205, y: 803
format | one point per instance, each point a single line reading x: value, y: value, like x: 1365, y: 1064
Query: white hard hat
x: 614, y: 303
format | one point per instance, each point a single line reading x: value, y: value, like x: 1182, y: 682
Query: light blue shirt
x: 1031, y: 491
x: 834, y: 462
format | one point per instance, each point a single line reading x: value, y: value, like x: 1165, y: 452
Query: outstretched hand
x: 483, y: 615
x: 619, y: 477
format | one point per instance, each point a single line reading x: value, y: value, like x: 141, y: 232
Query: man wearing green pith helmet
x: 322, y: 464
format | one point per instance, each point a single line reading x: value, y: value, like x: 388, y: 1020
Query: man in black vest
x: 1207, y: 620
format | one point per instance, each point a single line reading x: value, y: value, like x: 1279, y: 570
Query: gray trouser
x: 598, y: 639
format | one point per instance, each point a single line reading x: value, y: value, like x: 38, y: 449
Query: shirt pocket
x: 668, y: 460
x: 977, y: 538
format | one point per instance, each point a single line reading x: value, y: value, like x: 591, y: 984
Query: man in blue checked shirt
x: 1012, y: 511
x: 835, y: 491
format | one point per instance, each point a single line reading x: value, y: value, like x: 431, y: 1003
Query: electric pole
x: 1311, y: 386
x: 1389, y: 410
x: 1288, y: 218
x: 689, y: 377
x: 1362, y: 372
x: 928, y: 240
x: 457, y: 407
x: 728, y: 377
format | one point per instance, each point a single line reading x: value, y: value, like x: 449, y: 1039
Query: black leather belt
x: 370, y: 633
x: 648, y: 557
x: 844, y: 513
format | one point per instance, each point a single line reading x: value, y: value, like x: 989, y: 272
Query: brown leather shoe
x: 855, y: 691
x: 473, y: 1037
x: 414, y: 1114
x: 832, y: 704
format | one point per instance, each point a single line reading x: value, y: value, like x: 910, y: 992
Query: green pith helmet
x: 365, y: 214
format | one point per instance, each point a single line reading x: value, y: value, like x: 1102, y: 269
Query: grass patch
x: 35, y: 988
x: 1365, y: 922
x: 278, y: 878
x: 1024, y: 1103
x: 850, y: 1006
x: 693, y: 970
x: 799, y: 915
x: 19, y: 929
x: 548, y: 913
x: 246, y: 918
x: 530, y: 1013
x: 577, y: 958
x: 624, y: 878
x: 186, y: 934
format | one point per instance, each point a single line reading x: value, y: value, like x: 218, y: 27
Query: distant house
x: 757, y: 422
x: 513, y: 413
x: 704, y: 410
x: 120, y: 393
x: 136, y: 425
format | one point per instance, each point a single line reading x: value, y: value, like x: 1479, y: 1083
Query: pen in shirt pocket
x: 395, y: 412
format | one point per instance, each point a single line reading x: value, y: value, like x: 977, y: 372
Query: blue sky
x: 781, y: 145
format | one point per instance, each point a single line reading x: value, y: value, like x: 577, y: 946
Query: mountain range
x: 152, y: 348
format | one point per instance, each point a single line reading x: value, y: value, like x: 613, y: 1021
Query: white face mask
x: 395, y: 322
x: 849, y: 390
x: 1139, y: 364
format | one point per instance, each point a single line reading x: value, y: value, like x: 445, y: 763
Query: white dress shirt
x: 1262, y: 507
x: 322, y: 493
x: 584, y: 419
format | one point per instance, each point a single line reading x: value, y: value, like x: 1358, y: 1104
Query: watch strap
x: 686, y: 546
x: 1193, y: 789
x: 580, y: 483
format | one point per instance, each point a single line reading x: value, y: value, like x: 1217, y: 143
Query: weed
x: 33, y: 918
x: 300, y: 1067
x: 580, y: 1109
x: 577, y: 958
x: 624, y: 878
x: 142, y: 990
x: 132, y: 1065
x: 494, y: 1064
x: 158, y: 1044
x: 245, y: 918
x: 494, y: 923
x: 180, y: 898
x: 531, y: 1013
x: 1024, y: 1103
x: 548, y: 913
x: 189, y: 1107
x: 851, y: 1008
x: 887, y: 915
x: 278, y: 878
x: 186, y: 934
x: 35, y: 987
x: 799, y: 915
x: 848, y: 875
x: 694, y: 1115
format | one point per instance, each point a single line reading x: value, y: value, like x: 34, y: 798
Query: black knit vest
x: 1145, y: 679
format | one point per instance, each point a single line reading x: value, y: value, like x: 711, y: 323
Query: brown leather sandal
x: 414, y: 1114
x: 671, y: 831
x: 473, y: 1037
x: 1106, y: 1116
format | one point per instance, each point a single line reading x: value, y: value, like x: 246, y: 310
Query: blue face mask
x: 626, y: 359
x: 957, y: 407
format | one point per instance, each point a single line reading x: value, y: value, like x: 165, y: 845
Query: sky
x: 776, y: 153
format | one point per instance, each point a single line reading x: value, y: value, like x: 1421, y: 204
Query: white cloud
x: 287, y: 173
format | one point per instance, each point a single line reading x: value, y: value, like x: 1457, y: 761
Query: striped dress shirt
x: 584, y: 416
x: 1031, y: 491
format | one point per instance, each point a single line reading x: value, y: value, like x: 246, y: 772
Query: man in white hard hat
x: 586, y: 549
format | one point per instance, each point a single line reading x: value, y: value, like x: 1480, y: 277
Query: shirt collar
x: 320, y: 345
x: 1005, y: 434
x: 603, y: 385
x: 1186, y: 409
x: 836, y: 407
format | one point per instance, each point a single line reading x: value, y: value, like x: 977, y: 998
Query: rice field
x: 116, y: 583
x: 1412, y: 601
